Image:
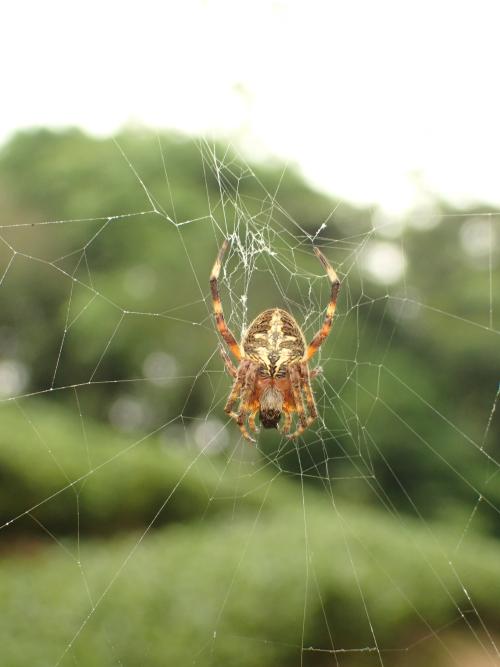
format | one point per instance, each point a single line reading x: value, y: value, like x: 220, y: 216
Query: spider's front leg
x: 307, y: 389
x: 228, y: 363
x: 296, y: 386
x: 217, y: 305
x: 244, y: 387
x: 251, y: 422
x: 330, y: 311
x: 300, y: 380
x: 287, y: 420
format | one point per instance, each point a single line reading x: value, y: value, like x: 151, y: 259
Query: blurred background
x: 136, y: 528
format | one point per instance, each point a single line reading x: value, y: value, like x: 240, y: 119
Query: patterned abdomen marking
x: 274, y: 340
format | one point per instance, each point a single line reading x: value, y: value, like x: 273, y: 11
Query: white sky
x: 367, y: 98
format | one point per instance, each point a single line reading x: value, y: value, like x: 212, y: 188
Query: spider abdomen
x: 274, y: 340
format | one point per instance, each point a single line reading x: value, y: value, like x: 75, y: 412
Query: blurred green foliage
x: 104, y: 483
x: 410, y: 379
x: 235, y: 591
x: 413, y: 364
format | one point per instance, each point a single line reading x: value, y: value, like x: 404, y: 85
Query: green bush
x: 237, y: 592
x: 104, y: 482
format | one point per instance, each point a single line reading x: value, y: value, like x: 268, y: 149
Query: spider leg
x: 230, y: 367
x: 219, y: 315
x: 239, y: 417
x: 305, y: 386
x: 247, y: 404
x: 295, y: 382
x: 330, y: 311
x: 243, y: 388
x: 237, y: 387
x: 240, y: 420
x: 233, y: 397
x: 287, y: 420
x: 315, y: 372
x: 251, y: 422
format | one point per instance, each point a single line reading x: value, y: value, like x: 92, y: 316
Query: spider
x: 273, y: 375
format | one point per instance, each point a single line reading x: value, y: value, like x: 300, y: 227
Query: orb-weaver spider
x: 273, y: 375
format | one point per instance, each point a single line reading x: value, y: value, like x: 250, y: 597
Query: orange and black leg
x: 287, y: 420
x: 251, y: 422
x: 237, y: 389
x: 230, y: 367
x: 330, y: 311
x: 219, y: 315
x: 295, y: 382
x: 308, y: 392
x: 233, y: 397
x: 243, y: 389
x: 247, y: 403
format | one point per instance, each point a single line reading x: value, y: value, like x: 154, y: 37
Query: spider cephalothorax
x: 273, y: 376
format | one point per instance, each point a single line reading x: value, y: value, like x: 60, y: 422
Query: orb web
x: 352, y: 525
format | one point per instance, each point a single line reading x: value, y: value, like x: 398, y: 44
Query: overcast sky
x: 372, y: 100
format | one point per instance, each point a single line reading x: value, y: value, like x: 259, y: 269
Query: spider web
x: 312, y: 503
